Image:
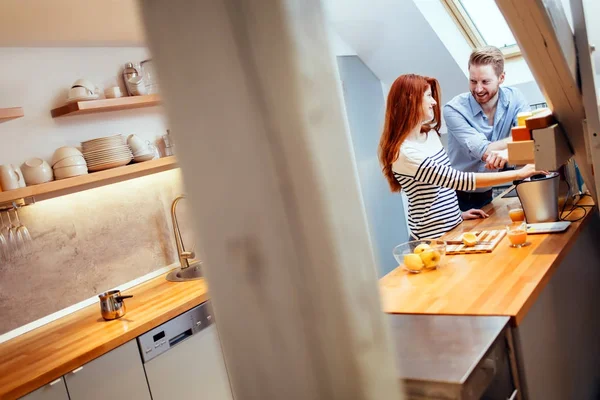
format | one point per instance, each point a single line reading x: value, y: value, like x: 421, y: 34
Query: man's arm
x: 468, y: 137
x: 498, y: 145
x: 496, y: 155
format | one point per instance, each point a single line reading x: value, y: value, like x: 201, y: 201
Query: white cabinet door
x: 55, y: 390
x: 118, y: 374
x: 193, y: 369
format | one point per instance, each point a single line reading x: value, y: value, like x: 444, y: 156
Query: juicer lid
x: 538, y: 178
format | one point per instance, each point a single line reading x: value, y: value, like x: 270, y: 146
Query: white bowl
x: 70, y: 162
x: 68, y: 172
x: 63, y: 152
x: 113, y: 92
x: 36, y: 171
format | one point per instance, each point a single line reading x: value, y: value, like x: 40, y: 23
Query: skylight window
x: 482, y: 23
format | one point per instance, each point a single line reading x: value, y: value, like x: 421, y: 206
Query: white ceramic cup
x: 77, y: 92
x: 113, y: 92
x: 36, y: 171
x: 137, y: 144
x: 86, y: 84
x: 11, y: 177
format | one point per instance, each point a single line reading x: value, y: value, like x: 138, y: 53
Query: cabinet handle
x: 76, y: 370
x: 55, y: 382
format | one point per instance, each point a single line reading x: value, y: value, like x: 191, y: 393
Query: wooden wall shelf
x: 105, y: 105
x: 6, y: 114
x: 92, y: 180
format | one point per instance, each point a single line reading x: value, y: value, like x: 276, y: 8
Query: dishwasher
x: 183, y: 358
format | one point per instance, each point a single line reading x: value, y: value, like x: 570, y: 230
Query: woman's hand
x: 527, y: 171
x: 474, y: 213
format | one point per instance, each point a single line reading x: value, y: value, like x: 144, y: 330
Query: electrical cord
x: 573, y: 208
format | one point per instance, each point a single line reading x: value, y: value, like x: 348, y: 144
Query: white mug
x: 137, y: 144
x: 11, y: 177
x: 112, y: 92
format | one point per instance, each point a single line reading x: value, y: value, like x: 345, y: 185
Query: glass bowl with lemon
x: 420, y: 255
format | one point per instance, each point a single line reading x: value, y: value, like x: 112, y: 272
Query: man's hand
x: 474, y: 213
x: 496, y: 159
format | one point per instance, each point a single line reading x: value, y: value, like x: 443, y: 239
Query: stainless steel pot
x: 112, y: 305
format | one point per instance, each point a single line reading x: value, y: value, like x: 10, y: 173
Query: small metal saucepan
x: 112, y: 305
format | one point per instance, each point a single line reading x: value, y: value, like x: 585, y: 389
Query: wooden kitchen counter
x: 505, y: 282
x: 38, y: 357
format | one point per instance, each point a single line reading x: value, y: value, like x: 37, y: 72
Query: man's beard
x: 487, y: 98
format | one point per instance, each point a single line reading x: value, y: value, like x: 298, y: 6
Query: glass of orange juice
x: 515, y: 213
x: 517, y: 234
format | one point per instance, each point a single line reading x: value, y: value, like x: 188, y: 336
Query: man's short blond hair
x: 488, y: 55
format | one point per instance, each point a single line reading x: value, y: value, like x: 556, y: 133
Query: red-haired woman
x: 413, y: 160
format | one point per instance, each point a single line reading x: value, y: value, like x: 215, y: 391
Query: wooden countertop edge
x: 23, y: 388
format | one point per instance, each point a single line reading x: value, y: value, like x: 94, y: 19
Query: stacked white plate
x: 106, y: 152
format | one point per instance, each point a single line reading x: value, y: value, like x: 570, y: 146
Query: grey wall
x: 363, y: 97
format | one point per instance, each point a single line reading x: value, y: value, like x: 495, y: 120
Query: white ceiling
x: 392, y: 37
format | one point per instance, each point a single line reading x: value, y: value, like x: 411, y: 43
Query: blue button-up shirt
x: 469, y: 132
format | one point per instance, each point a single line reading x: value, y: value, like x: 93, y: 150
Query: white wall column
x: 251, y: 98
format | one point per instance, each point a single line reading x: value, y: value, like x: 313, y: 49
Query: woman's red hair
x: 404, y: 111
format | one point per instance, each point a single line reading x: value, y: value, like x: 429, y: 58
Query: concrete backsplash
x: 88, y: 242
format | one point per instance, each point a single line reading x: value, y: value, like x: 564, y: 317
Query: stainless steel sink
x: 191, y: 273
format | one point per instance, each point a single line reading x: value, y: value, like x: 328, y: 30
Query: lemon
x: 413, y: 262
x: 421, y: 248
x: 431, y: 258
x: 469, y: 239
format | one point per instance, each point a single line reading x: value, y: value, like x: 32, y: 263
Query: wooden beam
x: 272, y: 183
x: 588, y: 83
x: 545, y: 39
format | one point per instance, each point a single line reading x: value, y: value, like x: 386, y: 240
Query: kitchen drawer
x: 118, y: 374
x: 55, y: 390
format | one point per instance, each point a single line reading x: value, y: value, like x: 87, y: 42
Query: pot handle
x: 121, y: 298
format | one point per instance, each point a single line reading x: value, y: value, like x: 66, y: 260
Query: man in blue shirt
x: 479, y: 122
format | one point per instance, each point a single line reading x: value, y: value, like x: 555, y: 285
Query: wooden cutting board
x: 493, y: 237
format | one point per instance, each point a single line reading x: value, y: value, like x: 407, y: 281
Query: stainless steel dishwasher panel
x: 185, y: 360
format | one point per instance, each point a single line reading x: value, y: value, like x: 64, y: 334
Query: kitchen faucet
x: 183, y: 255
